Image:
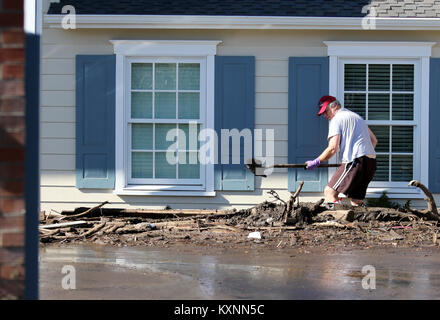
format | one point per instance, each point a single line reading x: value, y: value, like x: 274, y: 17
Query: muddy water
x: 100, y: 272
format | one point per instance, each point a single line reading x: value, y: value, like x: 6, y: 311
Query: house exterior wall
x: 12, y: 147
x: 271, y: 49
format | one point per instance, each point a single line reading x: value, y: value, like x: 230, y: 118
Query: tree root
x: 430, y: 199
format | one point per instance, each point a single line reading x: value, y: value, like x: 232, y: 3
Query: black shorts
x: 352, y: 179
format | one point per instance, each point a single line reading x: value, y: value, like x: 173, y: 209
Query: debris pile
x: 277, y: 224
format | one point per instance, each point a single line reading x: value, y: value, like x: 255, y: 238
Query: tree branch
x: 430, y: 199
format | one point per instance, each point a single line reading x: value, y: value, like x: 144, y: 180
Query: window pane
x: 378, y: 77
x: 142, y: 76
x: 163, y: 169
x: 355, y: 77
x: 142, y: 165
x: 165, y: 105
x: 382, y: 134
x: 401, y: 168
x: 161, y: 142
x: 189, y: 76
x: 189, y: 105
x: 403, y: 77
x: 165, y: 76
x: 141, y: 105
x: 189, y: 166
x: 402, y: 139
x: 356, y: 102
x: 378, y: 106
x: 141, y: 136
x: 192, y: 136
x: 403, y: 106
x: 383, y: 167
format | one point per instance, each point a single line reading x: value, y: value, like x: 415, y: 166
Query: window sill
x: 175, y: 193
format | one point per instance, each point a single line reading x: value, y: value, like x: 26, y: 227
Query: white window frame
x: 341, y: 52
x: 128, y: 51
x: 156, y: 183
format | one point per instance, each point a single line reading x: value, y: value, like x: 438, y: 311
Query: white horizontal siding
x: 57, y: 130
x: 57, y: 146
x: 58, y: 98
x: 436, y: 51
x: 271, y: 100
x: 280, y: 131
x: 58, y: 114
x: 271, y: 84
x: 280, y: 148
x: 271, y: 68
x: 57, y: 178
x: 275, y: 180
x: 57, y: 162
x: 58, y: 66
x: 56, y: 51
x: 271, y: 116
x: 58, y: 82
x: 270, y: 52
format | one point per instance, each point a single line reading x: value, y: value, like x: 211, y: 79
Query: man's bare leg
x: 331, y: 195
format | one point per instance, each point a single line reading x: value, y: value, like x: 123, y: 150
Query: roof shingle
x: 283, y: 8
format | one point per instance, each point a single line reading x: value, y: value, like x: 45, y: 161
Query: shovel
x: 253, y: 165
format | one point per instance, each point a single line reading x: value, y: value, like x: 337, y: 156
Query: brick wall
x: 12, y: 140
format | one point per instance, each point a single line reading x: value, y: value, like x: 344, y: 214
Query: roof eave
x: 242, y: 22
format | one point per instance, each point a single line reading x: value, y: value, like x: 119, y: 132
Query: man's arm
x: 373, y: 138
x: 330, y: 151
x: 332, y: 148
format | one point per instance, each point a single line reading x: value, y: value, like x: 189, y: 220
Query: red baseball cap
x: 324, y: 102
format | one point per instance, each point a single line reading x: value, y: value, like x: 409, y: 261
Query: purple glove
x: 312, y: 164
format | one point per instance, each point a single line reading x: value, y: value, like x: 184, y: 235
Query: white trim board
x: 240, y: 22
x: 165, y: 48
x: 133, y: 192
x: 32, y: 18
x: 379, y: 49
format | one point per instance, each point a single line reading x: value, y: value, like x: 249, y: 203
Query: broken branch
x: 430, y: 199
x: 65, y: 224
x: 274, y: 194
x: 291, y: 201
x: 85, y: 212
x: 93, y: 230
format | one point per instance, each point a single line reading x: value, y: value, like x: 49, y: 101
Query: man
x: 349, y: 133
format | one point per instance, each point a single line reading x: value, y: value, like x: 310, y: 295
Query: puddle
x: 102, y: 272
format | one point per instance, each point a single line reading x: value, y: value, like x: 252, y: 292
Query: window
x: 164, y: 99
x: 384, y: 95
x: 387, y: 83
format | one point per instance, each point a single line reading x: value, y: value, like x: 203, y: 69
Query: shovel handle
x: 324, y: 165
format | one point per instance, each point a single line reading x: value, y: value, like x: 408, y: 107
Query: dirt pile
x: 307, y: 225
x: 274, y: 224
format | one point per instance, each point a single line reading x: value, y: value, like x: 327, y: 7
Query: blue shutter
x: 434, y: 130
x: 308, y: 82
x: 95, y: 121
x: 234, y: 109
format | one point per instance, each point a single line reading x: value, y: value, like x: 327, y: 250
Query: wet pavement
x: 103, y: 272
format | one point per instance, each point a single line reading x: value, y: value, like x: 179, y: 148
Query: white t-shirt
x: 355, y: 138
